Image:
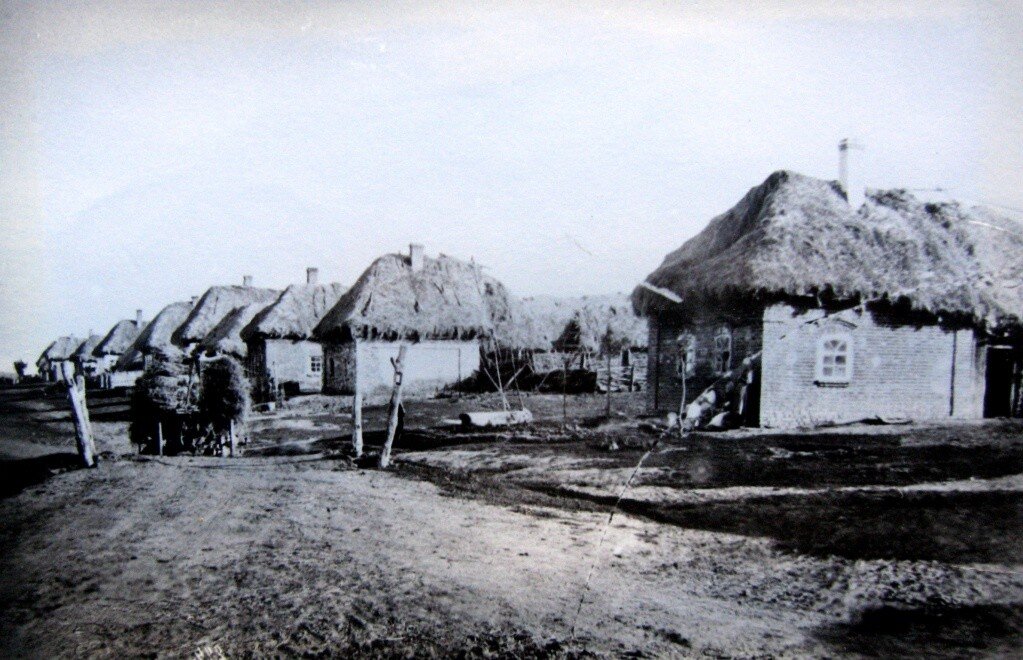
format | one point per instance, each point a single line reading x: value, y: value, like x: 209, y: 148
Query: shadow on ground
x: 17, y: 475
x: 988, y: 630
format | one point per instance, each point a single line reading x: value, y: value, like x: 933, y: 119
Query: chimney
x: 247, y: 280
x: 312, y: 275
x: 138, y: 318
x: 193, y: 300
x: 849, y: 174
x: 415, y: 253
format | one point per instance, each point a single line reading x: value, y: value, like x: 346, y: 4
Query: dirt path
x: 165, y: 556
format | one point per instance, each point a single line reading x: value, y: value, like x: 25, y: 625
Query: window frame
x: 316, y: 364
x: 720, y: 366
x: 822, y: 353
x: 689, y: 339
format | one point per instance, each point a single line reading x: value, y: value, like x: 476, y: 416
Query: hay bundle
x: 163, y: 395
x: 225, y: 394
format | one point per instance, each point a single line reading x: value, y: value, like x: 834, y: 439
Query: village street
x: 305, y: 554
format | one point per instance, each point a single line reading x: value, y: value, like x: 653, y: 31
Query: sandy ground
x: 307, y: 555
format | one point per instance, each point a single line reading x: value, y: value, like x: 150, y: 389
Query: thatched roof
x: 155, y: 336
x: 295, y: 313
x: 60, y: 349
x: 445, y: 299
x: 120, y: 338
x: 568, y: 324
x: 226, y: 337
x: 215, y: 304
x: 797, y: 236
x: 85, y: 349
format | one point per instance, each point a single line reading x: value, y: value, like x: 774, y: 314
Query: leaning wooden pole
x: 80, y: 412
x: 357, y: 424
x: 607, y: 413
x: 392, y: 410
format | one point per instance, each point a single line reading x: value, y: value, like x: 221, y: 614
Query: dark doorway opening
x: 1003, y: 379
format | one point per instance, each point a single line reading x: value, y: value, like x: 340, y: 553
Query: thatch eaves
x: 445, y: 299
x: 214, y: 305
x: 548, y: 323
x: 797, y: 236
x: 63, y: 348
x: 85, y: 349
x: 295, y: 313
x: 226, y: 337
x: 120, y: 338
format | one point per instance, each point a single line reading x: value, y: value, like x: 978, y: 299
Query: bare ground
x: 881, y: 542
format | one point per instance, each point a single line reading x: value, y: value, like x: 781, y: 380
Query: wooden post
x: 564, y: 392
x: 232, y: 438
x: 80, y: 412
x: 392, y: 410
x: 159, y: 438
x: 607, y: 413
x: 357, y: 424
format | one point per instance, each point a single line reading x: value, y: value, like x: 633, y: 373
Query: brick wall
x: 898, y: 370
x: 664, y: 385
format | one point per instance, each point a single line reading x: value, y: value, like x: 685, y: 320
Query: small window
x: 315, y: 364
x: 834, y: 359
x: 685, y: 365
x: 722, y: 350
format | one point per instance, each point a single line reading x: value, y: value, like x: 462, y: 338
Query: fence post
x: 80, y: 413
x: 357, y: 424
x: 159, y: 438
x: 392, y: 412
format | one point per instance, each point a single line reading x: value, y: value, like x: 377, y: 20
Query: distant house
x: 213, y: 307
x: 831, y: 314
x: 153, y: 337
x: 585, y: 332
x: 281, y: 352
x: 117, y: 342
x: 56, y: 354
x: 85, y: 362
x: 441, y: 308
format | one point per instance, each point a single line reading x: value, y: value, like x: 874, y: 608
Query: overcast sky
x: 150, y: 151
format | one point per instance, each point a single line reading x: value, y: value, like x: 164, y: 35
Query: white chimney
x: 247, y: 280
x: 415, y: 253
x: 849, y: 173
x: 312, y: 275
x: 138, y: 318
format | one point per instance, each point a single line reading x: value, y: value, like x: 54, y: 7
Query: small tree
x: 19, y: 368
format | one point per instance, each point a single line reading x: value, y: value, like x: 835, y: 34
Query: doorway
x: 1002, y: 382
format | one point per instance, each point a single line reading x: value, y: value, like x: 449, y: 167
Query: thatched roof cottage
x: 83, y: 358
x: 551, y: 332
x: 897, y: 309
x: 156, y: 335
x: 216, y: 304
x: 281, y: 352
x: 442, y: 308
x: 59, y: 351
x: 117, y: 342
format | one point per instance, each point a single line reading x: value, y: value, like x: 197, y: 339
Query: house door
x: 1002, y: 387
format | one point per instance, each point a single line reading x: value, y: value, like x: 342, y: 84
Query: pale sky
x: 149, y: 151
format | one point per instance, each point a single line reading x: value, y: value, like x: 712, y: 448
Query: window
x: 834, y: 359
x: 685, y: 366
x: 315, y: 364
x: 722, y: 350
